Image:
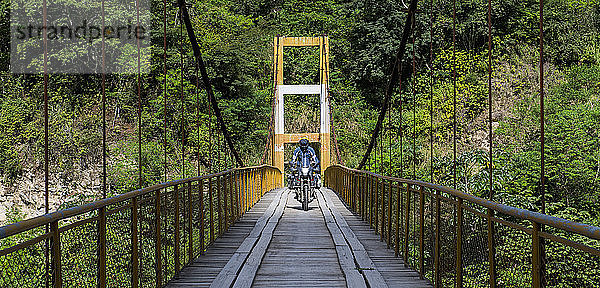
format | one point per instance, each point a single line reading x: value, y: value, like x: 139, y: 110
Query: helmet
x: 303, y: 144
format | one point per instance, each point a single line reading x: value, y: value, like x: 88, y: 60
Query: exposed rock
x: 26, y: 194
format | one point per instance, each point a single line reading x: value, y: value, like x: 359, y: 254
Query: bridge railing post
x: 353, y: 189
x: 398, y: 218
x: 134, y: 243
x: 255, y: 186
x: 226, y: 202
x: 378, y: 219
x: 56, y: 260
x: 246, y: 194
x: 536, y: 255
x: 369, y: 184
x: 336, y: 180
x: 232, y: 215
x: 202, y: 215
x: 157, y: 247
x: 406, y: 225
x: 343, y: 188
x: 436, y: 260
x: 102, y: 247
x: 238, y: 194
x: 177, y: 231
x: 245, y: 190
x: 491, y: 248
x: 262, y: 182
x: 219, y: 207
x: 459, y: 232
x: 211, y: 210
x: 190, y: 226
x: 252, y: 189
x: 381, y: 187
x: 361, y: 195
x: 349, y: 189
x: 389, y: 216
x: 421, y: 232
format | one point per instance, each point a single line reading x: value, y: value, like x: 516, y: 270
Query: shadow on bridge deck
x: 276, y: 244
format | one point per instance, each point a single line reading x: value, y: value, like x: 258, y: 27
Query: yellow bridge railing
x: 460, y: 240
x: 138, y: 239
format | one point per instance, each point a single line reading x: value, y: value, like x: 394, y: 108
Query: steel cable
x: 391, y: 83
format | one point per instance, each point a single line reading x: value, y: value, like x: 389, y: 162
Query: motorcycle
x: 304, y: 182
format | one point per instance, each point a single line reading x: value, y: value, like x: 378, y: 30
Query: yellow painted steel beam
x: 279, y: 137
x: 301, y: 41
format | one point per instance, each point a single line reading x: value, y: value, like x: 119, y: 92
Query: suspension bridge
x: 241, y: 227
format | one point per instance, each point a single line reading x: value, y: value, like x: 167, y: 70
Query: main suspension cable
x: 391, y: 83
x: 206, y: 80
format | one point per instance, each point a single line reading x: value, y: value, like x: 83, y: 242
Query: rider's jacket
x: 310, y: 153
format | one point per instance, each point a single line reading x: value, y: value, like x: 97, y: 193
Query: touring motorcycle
x: 304, y: 182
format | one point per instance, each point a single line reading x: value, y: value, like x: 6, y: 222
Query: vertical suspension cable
x: 431, y: 173
x: 454, y: 218
x: 224, y: 151
x: 375, y: 154
x: 46, y: 172
x: 210, y: 136
x: 454, y: 93
x: 271, y: 132
x: 382, y: 142
x: 217, y: 146
x: 139, y: 94
x: 182, y: 134
x: 46, y: 156
x: 389, y: 130
x: 414, y: 83
x: 165, y: 85
x: 490, y: 212
x: 401, y: 128
x: 197, y: 118
x: 103, y: 108
x: 266, y: 154
x: 431, y: 81
x: 489, y: 20
x: 542, y: 144
x: 542, y: 118
x: 330, y: 104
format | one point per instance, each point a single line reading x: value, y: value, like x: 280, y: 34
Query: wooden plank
x: 248, y: 271
x: 301, y: 253
x: 203, y: 271
x: 371, y: 276
x: 344, y: 253
x: 391, y: 268
x: 353, y: 277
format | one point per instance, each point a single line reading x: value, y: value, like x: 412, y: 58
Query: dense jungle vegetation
x: 236, y: 38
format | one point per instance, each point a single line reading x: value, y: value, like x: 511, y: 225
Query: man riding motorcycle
x: 303, y: 153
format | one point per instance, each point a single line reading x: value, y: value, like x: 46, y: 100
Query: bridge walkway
x: 277, y: 244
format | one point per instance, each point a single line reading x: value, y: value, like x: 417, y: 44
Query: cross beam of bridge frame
x: 280, y: 137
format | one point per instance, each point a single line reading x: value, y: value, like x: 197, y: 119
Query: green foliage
x: 572, y: 143
x: 18, y: 125
x: 236, y: 39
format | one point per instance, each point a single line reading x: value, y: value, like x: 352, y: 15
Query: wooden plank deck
x: 277, y: 244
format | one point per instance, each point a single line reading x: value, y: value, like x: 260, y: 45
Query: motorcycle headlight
x: 305, y: 170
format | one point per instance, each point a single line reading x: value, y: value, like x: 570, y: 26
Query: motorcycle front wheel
x: 305, y: 192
